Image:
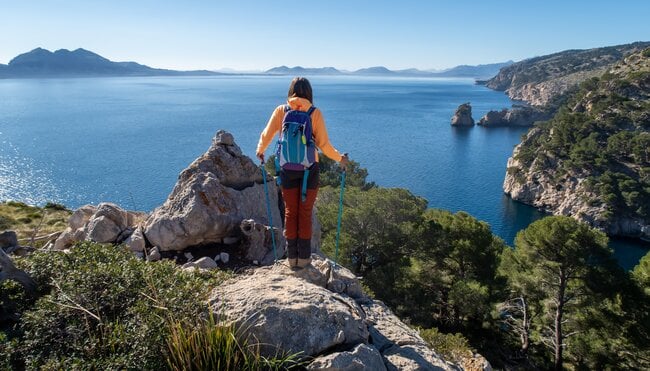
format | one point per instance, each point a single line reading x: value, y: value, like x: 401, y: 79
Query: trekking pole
x: 338, y: 224
x: 268, y: 210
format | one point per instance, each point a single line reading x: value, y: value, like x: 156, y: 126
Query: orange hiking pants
x: 298, y: 213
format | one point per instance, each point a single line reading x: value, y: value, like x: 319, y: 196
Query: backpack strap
x: 311, y: 110
x: 287, y: 108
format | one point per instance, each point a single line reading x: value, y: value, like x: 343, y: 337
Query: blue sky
x: 257, y: 34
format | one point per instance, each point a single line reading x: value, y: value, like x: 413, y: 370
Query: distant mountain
x: 80, y: 62
x: 541, y: 80
x: 284, y: 70
x: 379, y: 70
x: 482, y: 71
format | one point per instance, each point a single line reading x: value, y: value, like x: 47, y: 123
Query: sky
x: 350, y: 34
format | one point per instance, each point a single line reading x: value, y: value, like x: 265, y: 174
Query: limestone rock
x: 154, y: 254
x: 401, y: 346
x: 255, y: 238
x: 135, y: 242
x: 102, y: 230
x: 362, y: 357
x: 476, y: 363
x: 211, y: 198
x: 463, y: 116
x: 293, y: 311
x: 8, y: 239
x: 203, y: 263
x: 516, y: 116
x: 538, y: 185
x: 285, y: 312
x: 106, y: 223
x: 80, y: 217
x: 113, y: 213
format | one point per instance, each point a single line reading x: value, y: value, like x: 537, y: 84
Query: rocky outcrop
x: 105, y: 223
x: 321, y: 312
x: 463, y: 116
x: 539, y: 185
x: 516, y: 116
x: 587, y: 162
x: 211, y: 198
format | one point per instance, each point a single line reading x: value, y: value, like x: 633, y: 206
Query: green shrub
x: 55, y: 206
x: 453, y: 347
x: 107, y: 309
x: 646, y: 53
x: 24, y: 220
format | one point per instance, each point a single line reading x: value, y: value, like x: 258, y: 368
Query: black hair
x: 300, y: 87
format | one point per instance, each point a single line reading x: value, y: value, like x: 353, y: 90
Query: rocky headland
x: 541, y: 80
x: 591, y: 160
x: 545, y: 83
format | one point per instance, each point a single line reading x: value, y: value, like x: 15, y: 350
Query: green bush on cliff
x: 103, y: 308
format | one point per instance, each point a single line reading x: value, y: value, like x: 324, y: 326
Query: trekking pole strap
x: 303, y: 191
x: 338, y: 224
x: 268, y: 209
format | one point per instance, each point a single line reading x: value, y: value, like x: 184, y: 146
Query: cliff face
x: 540, y: 80
x: 592, y: 159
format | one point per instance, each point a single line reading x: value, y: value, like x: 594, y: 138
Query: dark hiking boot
x: 292, y: 253
x: 304, y: 252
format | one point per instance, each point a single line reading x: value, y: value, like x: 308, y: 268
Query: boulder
x: 283, y: 312
x: 136, y: 242
x: 211, y: 198
x: 154, y: 254
x: 8, y: 239
x: 80, y: 217
x: 463, y: 116
x: 102, y: 230
x: 360, y: 358
x: 294, y: 311
x: 203, y: 263
x: 106, y: 223
x: 112, y: 212
x: 401, y: 346
x: 257, y: 238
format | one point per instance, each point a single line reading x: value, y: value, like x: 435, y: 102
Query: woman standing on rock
x: 298, y: 181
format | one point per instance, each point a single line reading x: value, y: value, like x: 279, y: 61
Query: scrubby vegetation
x: 602, y: 134
x: 99, y: 307
x: 31, y: 221
x: 447, y: 274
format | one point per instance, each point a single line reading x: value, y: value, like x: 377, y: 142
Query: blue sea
x: 125, y: 140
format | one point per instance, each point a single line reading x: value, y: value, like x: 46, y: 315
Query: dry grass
x: 31, y: 221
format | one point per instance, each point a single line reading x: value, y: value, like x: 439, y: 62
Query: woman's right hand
x: 343, y: 164
x: 260, y: 156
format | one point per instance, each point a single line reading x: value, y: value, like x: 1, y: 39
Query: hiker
x: 299, y: 181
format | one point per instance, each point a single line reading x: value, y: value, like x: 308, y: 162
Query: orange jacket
x: 318, y: 127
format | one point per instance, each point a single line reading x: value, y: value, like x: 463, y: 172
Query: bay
x: 125, y: 140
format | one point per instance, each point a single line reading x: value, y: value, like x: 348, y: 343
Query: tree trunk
x: 10, y: 272
x: 525, y: 334
x: 559, y: 312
